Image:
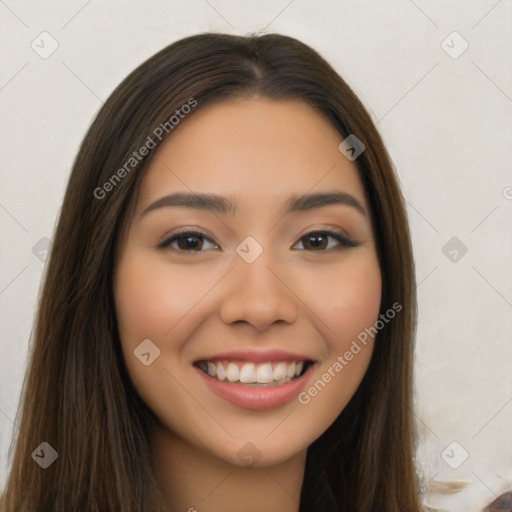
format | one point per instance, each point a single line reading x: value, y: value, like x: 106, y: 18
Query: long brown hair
x: 77, y: 396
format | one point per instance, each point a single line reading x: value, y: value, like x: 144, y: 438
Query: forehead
x: 253, y: 149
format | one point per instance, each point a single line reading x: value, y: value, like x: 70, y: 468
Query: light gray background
x: 446, y: 122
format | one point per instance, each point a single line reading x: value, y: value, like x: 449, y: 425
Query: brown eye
x: 315, y: 241
x: 192, y: 242
x: 187, y: 241
x: 319, y: 241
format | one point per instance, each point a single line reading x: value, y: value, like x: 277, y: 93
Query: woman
x: 228, y: 313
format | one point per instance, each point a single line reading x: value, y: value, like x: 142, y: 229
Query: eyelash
x: 167, y: 241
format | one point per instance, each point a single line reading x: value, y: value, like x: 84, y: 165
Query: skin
x: 293, y: 297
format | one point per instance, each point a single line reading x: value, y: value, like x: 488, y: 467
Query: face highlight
x: 251, y: 264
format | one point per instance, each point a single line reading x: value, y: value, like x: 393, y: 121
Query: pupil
x: 317, y: 241
x: 189, y: 242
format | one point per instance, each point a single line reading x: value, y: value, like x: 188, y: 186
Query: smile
x: 254, y: 374
x: 256, y: 380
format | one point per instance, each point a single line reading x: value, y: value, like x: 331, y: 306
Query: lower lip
x: 257, y: 398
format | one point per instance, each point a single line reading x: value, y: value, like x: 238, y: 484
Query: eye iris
x: 318, y: 241
x: 187, y: 243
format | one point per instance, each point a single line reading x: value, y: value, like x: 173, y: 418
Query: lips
x: 256, y: 380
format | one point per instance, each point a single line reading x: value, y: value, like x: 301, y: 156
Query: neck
x: 197, y: 481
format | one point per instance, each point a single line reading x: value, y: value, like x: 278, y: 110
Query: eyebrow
x: 227, y: 206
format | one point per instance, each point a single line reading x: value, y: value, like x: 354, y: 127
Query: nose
x: 258, y: 295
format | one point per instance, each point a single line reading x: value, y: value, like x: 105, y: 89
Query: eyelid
x: 344, y: 241
x: 167, y: 239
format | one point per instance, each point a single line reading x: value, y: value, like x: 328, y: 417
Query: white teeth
x: 265, y: 375
x: 221, y: 371
x: 280, y: 371
x: 248, y: 374
x: 212, y: 369
x: 291, y: 370
x: 232, y: 372
x: 253, y: 373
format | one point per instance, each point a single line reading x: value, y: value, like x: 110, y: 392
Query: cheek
x: 152, y: 297
x: 347, y: 299
x: 154, y: 301
x: 159, y: 302
x: 348, y: 303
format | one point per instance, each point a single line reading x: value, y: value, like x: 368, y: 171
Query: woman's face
x: 262, y: 272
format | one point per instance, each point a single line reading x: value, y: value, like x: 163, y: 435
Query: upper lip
x: 256, y: 356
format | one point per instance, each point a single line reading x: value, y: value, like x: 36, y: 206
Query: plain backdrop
x: 436, y: 78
